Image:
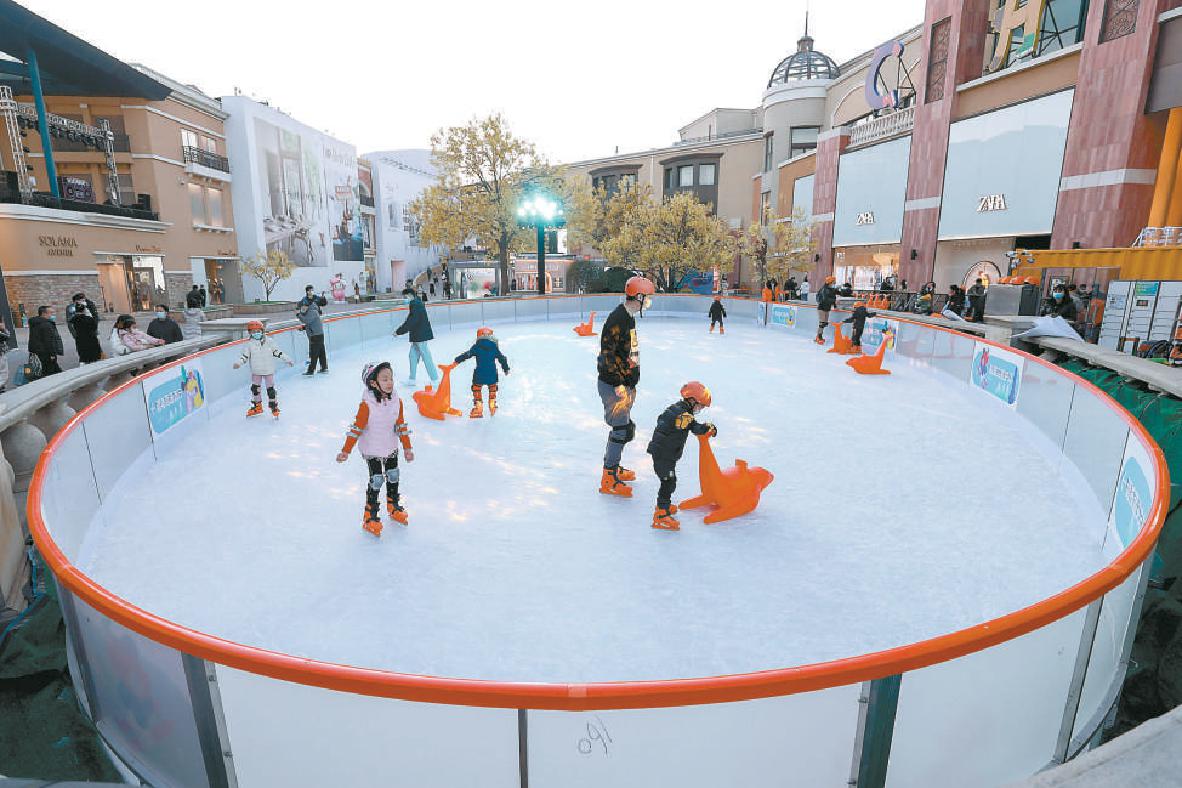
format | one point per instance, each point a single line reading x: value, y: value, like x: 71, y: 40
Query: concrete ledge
x: 1145, y: 757
x: 1158, y: 377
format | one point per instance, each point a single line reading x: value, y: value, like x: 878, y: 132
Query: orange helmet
x: 254, y: 325
x: 717, y: 298
x: 830, y: 280
x: 697, y: 392
x: 483, y: 331
x: 637, y: 286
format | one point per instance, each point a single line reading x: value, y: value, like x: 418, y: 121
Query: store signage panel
x: 58, y: 245
x: 1003, y: 170
x: 871, y: 190
x: 865, y: 218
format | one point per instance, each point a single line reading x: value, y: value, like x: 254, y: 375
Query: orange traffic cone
x: 871, y: 365
x: 586, y: 329
x: 437, y: 404
x: 841, y: 343
x: 733, y: 492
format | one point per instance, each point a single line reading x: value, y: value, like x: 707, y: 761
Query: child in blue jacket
x: 487, y: 353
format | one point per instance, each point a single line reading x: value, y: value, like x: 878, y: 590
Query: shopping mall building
x: 115, y: 180
x: 981, y: 131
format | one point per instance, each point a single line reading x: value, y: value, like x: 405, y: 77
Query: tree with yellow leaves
x: 270, y: 269
x: 483, y: 170
x: 594, y: 215
x: 779, y: 247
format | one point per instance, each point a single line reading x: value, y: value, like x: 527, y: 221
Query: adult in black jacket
x: 193, y: 298
x: 164, y: 327
x: 668, y: 442
x: 619, y: 373
x: 955, y: 299
x: 84, y: 327
x: 858, y: 318
x: 44, y: 341
x: 977, y: 301
x: 79, y: 301
x: 1062, y: 305
x: 826, y: 300
x: 717, y: 313
x: 418, y: 325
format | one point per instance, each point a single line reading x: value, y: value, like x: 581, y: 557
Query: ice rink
x: 903, y: 507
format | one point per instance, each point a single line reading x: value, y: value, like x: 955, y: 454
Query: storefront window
x: 865, y: 267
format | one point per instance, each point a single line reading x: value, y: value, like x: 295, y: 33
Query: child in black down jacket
x: 717, y: 313
x: 668, y: 442
x: 858, y: 318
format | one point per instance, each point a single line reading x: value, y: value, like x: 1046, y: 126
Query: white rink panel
x: 496, y: 310
x: 342, y: 334
x: 1095, y: 442
x: 536, y: 308
x: 465, y: 314
x: 803, y: 740
x: 1104, y: 665
x: 68, y: 492
x: 292, y: 735
x: 117, y: 433
x: 1045, y: 400
x: 987, y: 718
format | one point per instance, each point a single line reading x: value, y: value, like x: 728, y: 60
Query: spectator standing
x: 72, y: 308
x: 84, y: 327
x: 204, y: 296
x: 447, y: 289
x: 164, y: 327
x: 309, y: 312
x: 804, y: 288
x: 193, y: 298
x: 5, y: 346
x: 44, y: 340
x: 1060, y: 305
x: 977, y: 301
x: 127, y: 338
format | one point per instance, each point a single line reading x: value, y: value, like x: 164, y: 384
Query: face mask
x: 256, y: 335
x: 161, y: 315
x: 53, y: 318
x: 1058, y: 296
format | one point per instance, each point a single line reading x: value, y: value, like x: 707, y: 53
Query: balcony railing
x: 883, y: 127
x: 366, y: 200
x: 122, y: 144
x: 205, y: 158
x: 44, y: 200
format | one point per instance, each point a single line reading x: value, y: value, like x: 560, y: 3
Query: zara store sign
x: 991, y: 202
x: 864, y: 218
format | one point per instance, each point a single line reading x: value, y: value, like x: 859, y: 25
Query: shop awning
x: 69, y: 65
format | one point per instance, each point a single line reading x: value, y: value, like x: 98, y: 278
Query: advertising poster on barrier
x: 875, y: 328
x: 783, y: 315
x: 997, y: 372
x: 761, y: 313
x: 1130, y: 505
x: 173, y: 395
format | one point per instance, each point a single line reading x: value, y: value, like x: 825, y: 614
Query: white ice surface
x: 883, y: 526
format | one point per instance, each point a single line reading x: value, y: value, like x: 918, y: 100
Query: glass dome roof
x: 804, y: 63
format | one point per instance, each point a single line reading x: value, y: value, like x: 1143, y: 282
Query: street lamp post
x: 540, y: 212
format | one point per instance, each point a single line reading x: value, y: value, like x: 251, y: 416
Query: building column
x: 829, y: 149
x: 1164, y: 190
x: 1113, y: 147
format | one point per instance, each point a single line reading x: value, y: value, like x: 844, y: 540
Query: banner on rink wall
x: 997, y: 372
x: 761, y: 313
x: 783, y: 315
x: 173, y: 395
x: 1130, y: 506
x: 876, y: 329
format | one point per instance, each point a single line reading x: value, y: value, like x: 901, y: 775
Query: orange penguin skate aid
x: 586, y: 329
x: 437, y: 404
x: 871, y: 365
x: 733, y: 492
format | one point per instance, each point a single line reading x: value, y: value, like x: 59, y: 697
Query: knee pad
x: 392, y: 476
x: 669, y: 476
x: 255, y: 389
x: 270, y: 392
x: 623, y: 434
x: 375, y: 481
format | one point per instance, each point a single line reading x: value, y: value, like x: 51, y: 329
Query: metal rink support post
x: 879, y: 703
x: 523, y: 746
x: 211, y: 722
x: 1083, y: 658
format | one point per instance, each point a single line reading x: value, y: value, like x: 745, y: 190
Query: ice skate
x: 819, y: 341
x: 492, y: 406
x: 711, y: 328
x: 625, y: 475
x: 610, y: 484
x: 396, y: 512
x: 663, y: 518
x: 275, y: 409
x: 722, y: 329
x: 477, y: 411
x: 370, y: 520
x: 255, y: 410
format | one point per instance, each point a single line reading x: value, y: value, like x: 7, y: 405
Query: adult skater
x: 826, y: 299
x: 717, y: 313
x: 309, y: 312
x: 418, y: 325
x: 619, y: 373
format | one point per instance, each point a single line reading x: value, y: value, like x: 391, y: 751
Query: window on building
x: 189, y: 139
x: 768, y: 152
x: 1120, y: 19
x: 1061, y: 25
x: 197, y: 203
x: 707, y: 174
x: 211, y: 145
x: 803, y: 140
x: 765, y: 206
x: 685, y: 175
x: 126, y: 190
x: 937, y: 61
x: 668, y: 179
x: 214, y: 208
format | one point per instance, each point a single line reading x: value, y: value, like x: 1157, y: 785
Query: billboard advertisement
x: 1130, y: 507
x: 174, y: 395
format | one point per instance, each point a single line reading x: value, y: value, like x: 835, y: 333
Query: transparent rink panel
x: 139, y: 697
x: 1106, y: 649
x: 795, y: 740
x: 987, y: 718
x: 285, y: 734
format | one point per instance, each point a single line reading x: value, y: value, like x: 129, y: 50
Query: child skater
x: 717, y: 313
x: 858, y: 318
x: 487, y: 353
x: 668, y: 442
x: 261, y: 353
x: 377, y: 429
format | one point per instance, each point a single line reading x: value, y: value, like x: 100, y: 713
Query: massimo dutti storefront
x: 868, y: 220
x: 1001, y: 186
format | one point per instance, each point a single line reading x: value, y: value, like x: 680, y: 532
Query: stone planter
x: 263, y: 309
x: 217, y: 312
